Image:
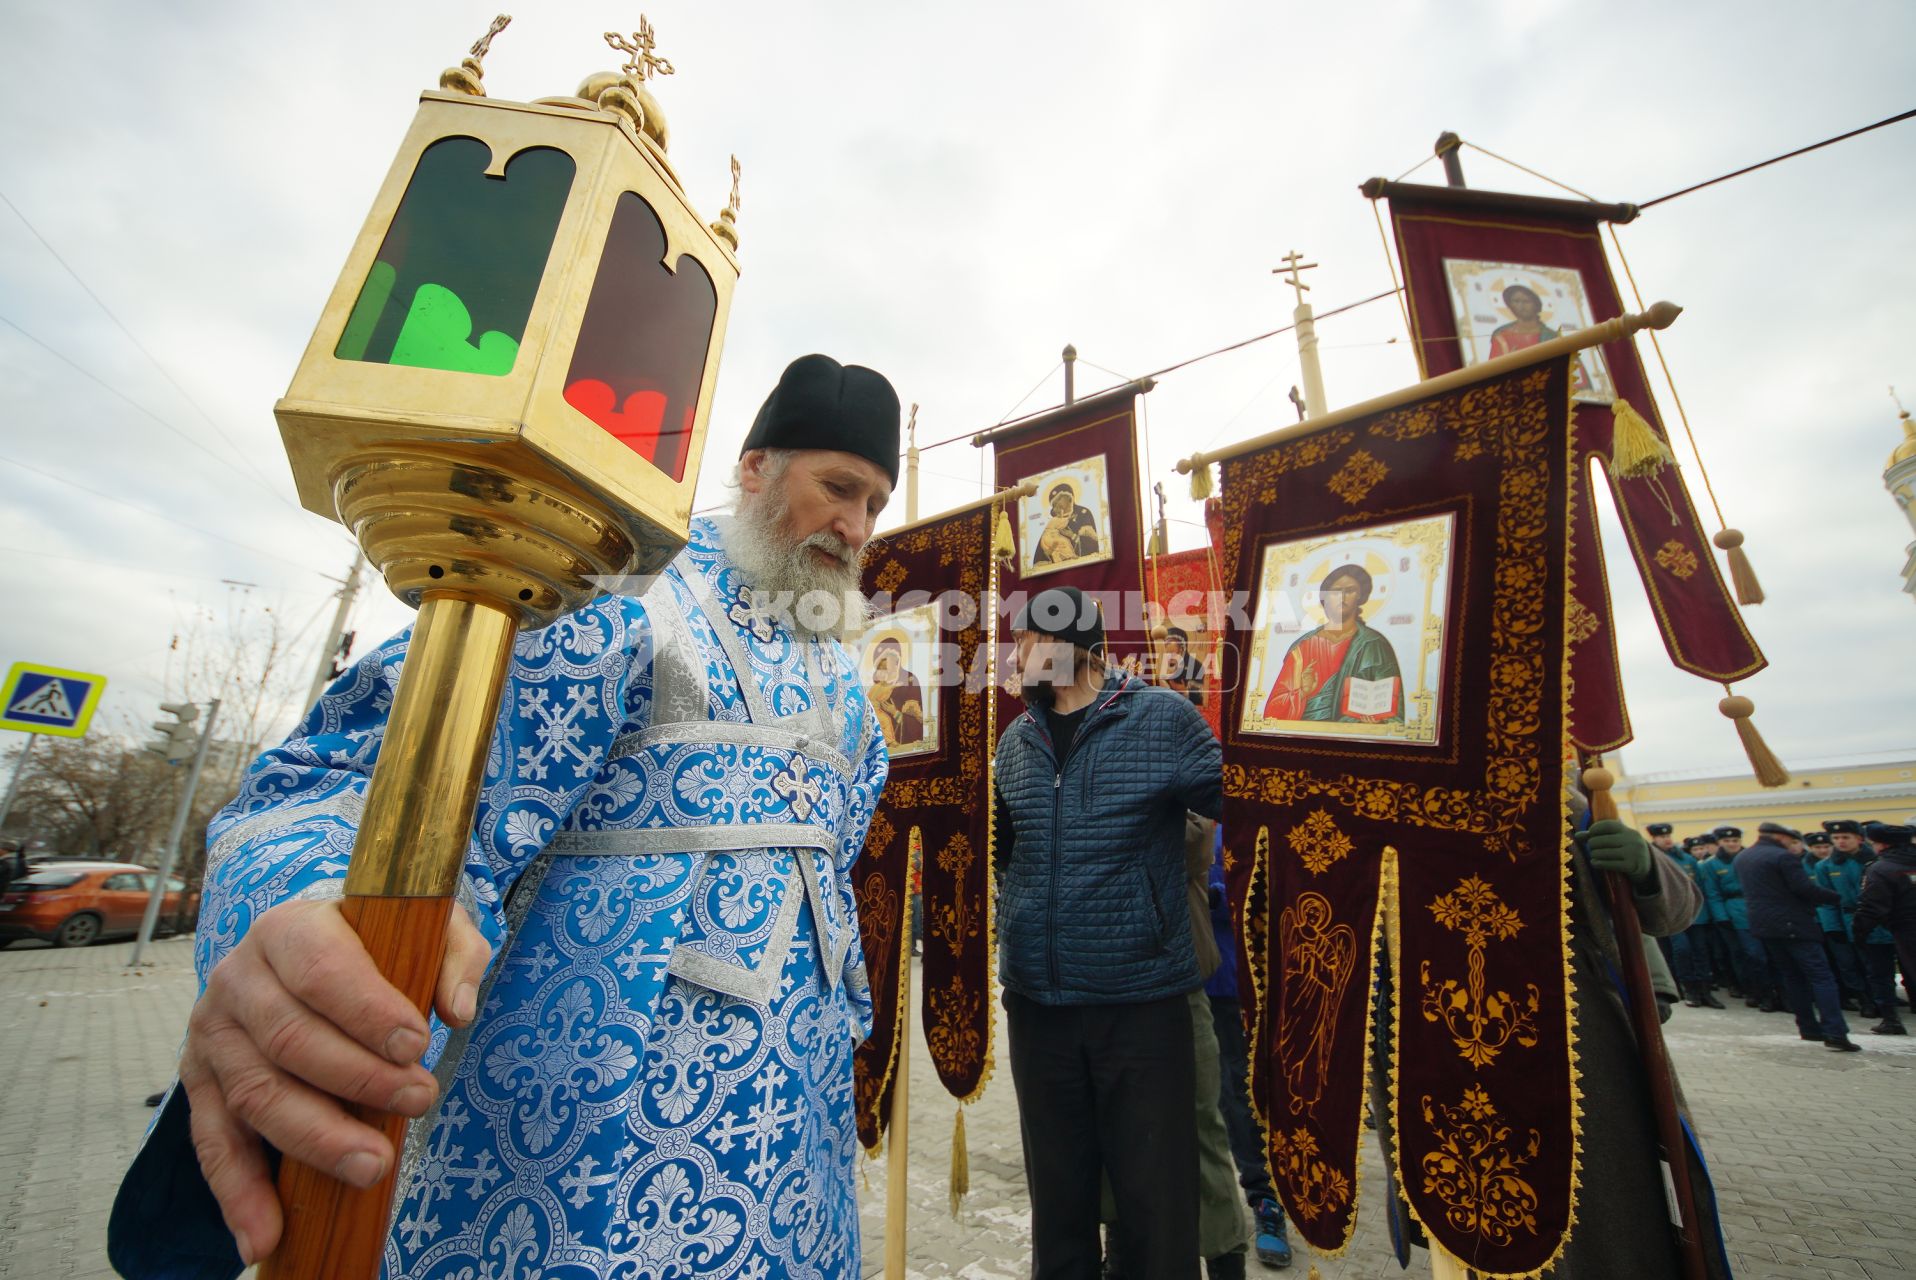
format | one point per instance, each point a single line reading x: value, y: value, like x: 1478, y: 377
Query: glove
x: 1612, y: 846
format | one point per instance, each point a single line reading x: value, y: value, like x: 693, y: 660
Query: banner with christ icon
x: 1487, y: 273
x: 1395, y: 720
x: 924, y: 656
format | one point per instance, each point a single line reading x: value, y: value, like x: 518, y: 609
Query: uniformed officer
x: 1752, y: 969
x: 1874, y: 953
x: 1721, y: 953
x: 1845, y: 961
x: 1690, y: 949
x: 1889, y: 900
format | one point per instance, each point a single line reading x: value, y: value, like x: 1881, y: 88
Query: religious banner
x: 1082, y: 524
x: 1488, y: 273
x: 1394, y: 716
x: 1186, y: 598
x: 923, y: 660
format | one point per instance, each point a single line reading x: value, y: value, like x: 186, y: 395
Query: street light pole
x: 180, y: 815
x: 19, y: 770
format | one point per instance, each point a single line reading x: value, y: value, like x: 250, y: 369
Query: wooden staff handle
x: 1597, y: 782
x: 333, y: 1229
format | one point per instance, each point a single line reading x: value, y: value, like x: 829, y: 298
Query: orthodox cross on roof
x: 732, y: 204
x: 1900, y: 411
x: 483, y: 45
x: 1294, y: 263
x: 640, y: 62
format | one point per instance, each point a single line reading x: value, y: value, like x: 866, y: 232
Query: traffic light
x: 177, y: 741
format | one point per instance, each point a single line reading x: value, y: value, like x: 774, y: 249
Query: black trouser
x: 1809, y: 986
x: 1233, y: 1063
x: 1879, y: 970
x: 1107, y: 1087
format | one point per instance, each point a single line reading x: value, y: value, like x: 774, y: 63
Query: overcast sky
x: 949, y: 194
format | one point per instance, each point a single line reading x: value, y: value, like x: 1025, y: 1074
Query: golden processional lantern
x: 505, y: 399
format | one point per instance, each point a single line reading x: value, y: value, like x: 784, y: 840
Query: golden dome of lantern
x: 533, y: 299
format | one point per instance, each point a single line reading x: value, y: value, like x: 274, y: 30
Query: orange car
x: 73, y: 903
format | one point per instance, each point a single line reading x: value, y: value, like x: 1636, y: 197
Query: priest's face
x: 803, y: 520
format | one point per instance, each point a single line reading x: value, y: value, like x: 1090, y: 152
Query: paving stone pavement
x: 1813, y: 1153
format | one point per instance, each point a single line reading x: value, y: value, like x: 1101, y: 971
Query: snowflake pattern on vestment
x: 626, y: 1104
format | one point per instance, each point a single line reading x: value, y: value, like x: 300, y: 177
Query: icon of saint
x: 1528, y: 329
x: 896, y: 694
x: 1071, y: 532
x: 1344, y: 671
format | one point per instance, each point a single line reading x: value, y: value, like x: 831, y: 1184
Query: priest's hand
x: 1612, y: 846
x: 294, y: 1019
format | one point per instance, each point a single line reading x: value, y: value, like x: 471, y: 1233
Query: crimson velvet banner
x: 1185, y: 596
x: 922, y: 663
x: 1394, y: 717
x: 1487, y: 273
x: 1084, y: 525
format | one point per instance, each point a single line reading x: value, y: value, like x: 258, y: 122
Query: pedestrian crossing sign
x: 37, y: 699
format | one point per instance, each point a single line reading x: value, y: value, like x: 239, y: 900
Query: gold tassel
x: 1742, y: 576
x: 1769, y: 770
x: 1002, y: 544
x: 1636, y: 450
x: 1200, y: 480
x: 960, y: 1162
x: 1315, y: 1274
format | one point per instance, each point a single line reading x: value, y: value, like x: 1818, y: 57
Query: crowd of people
x: 638, y: 1058
x: 1808, y: 923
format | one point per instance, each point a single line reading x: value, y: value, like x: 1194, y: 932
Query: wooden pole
x: 1674, y: 1152
x: 898, y: 1147
x: 911, y: 467
x: 1659, y: 315
x: 1070, y: 374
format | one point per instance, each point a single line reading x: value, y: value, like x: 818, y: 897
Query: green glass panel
x: 456, y: 276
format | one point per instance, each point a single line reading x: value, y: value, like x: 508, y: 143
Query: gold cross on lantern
x: 732, y: 204
x: 1294, y: 263
x: 640, y: 62
x: 483, y: 45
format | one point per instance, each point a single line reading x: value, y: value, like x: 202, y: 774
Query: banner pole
x: 1597, y: 782
x: 898, y: 1148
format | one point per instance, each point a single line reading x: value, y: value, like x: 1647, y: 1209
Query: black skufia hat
x: 1064, y: 613
x: 822, y: 404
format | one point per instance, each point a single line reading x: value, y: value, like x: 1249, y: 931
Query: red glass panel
x: 643, y: 343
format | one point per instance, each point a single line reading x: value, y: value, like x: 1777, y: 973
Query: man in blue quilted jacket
x: 1095, y: 950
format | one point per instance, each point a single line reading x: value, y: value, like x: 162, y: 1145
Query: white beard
x: 817, y: 600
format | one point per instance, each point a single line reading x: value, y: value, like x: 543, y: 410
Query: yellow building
x: 1879, y: 785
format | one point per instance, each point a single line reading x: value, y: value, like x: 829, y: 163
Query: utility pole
x: 1314, y: 405
x: 347, y: 591
x: 180, y: 815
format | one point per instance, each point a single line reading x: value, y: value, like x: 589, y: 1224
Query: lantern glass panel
x: 456, y: 276
x: 640, y: 359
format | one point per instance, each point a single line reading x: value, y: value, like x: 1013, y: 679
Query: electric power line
x: 152, y: 359
x: 157, y: 514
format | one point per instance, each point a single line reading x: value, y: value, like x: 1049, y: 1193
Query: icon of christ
x: 1343, y: 671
